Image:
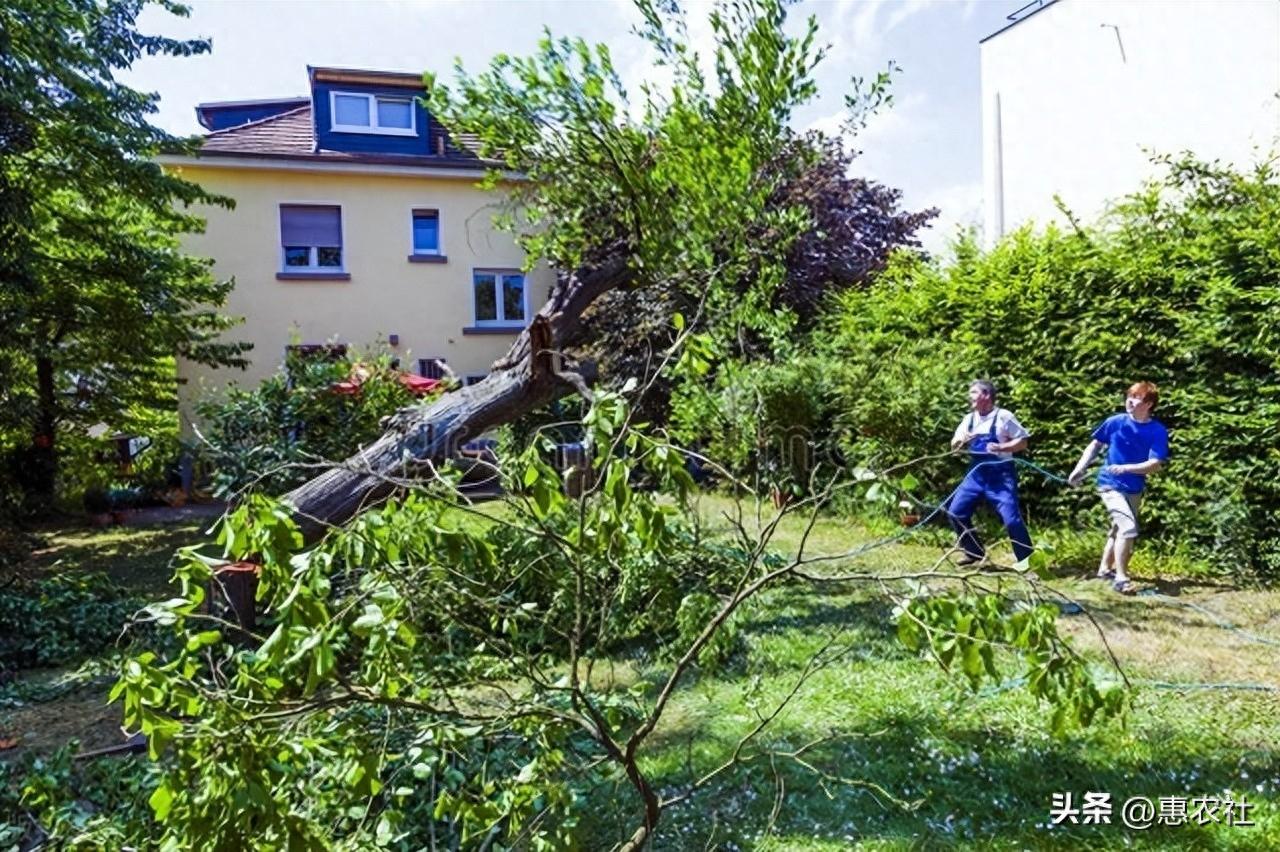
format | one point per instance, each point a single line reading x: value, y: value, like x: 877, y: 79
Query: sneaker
x: 1125, y: 587
x: 1105, y: 575
x: 969, y: 559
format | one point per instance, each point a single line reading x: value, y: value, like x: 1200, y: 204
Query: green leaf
x: 200, y: 640
x: 373, y: 617
x: 161, y: 801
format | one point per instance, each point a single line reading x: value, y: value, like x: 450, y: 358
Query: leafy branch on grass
x: 461, y: 646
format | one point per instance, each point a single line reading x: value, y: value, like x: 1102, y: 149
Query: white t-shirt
x: 1007, y: 427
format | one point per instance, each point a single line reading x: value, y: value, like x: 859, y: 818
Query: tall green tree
x: 618, y: 191
x: 96, y: 296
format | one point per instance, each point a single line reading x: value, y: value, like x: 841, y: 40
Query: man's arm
x: 1015, y: 446
x: 1086, y: 458
x: 1147, y: 467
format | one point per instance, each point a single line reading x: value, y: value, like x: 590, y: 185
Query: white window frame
x: 312, y: 266
x: 501, y: 321
x: 371, y: 102
x: 413, y: 249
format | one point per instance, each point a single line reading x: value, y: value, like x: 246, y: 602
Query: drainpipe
x: 995, y: 218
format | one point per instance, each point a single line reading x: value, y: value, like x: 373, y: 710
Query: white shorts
x: 1123, y: 511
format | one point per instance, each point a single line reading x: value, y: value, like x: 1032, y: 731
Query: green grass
x: 968, y: 770
x: 953, y: 768
x: 137, y: 558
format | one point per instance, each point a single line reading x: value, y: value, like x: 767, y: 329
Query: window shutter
x: 311, y: 225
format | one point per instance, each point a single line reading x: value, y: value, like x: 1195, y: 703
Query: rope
x: 1164, y: 684
x: 1048, y: 474
x: 1183, y: 686
x: 942, y: 506
x: 1214, y: 617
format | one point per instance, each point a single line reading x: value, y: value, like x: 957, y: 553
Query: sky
x: 928, y: 144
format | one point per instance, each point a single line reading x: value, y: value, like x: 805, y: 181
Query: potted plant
x: 98, y: 505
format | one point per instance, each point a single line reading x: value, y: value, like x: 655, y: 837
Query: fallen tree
x: 676, y: 190
x: 531, y: 374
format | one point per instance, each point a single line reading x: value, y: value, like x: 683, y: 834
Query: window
x: 357, y: 113
x: 426, y: 232
x: 431, y: 368
x: 499, y: 297
x: 311, y: 238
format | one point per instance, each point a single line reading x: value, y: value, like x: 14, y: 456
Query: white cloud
x: 959, y: 206
x: 901, y: 12
x: 858, y: 26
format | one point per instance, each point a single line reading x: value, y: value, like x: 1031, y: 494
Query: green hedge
x: 1179, y: 284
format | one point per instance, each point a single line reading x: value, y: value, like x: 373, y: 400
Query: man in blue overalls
x: 992, y: 435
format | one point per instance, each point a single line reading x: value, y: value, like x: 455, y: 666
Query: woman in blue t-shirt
x: 1137, y: 446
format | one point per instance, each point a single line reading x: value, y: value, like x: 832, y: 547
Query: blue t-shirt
x: 1130, y: 442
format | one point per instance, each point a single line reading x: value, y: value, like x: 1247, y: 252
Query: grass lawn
x: 971, y: 770
x: 43, y: 709
x: 896, y: 753
x: 137, y: 558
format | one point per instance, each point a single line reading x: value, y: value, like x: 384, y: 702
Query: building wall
x: 427, y: 304
x: 1066, y: 112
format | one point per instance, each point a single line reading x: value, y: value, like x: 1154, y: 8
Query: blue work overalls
x: 995, y: 479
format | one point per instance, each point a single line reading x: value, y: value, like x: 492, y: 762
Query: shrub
x: 1178, y: 285
x: 60, y: 620
x: 97, y: 501
x: 265, y: 439
x: 768, y: 422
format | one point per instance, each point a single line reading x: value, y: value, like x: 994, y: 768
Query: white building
x: 1077, y: 93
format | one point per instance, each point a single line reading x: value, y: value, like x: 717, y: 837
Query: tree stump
x: 232, y: 592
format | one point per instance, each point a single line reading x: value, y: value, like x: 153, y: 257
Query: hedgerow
x: 1179, y: 284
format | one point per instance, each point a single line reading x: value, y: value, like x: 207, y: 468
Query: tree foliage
x: 852, y: 225
x: 686, y: 179
x: 435, y: 673
x: 96, y: 296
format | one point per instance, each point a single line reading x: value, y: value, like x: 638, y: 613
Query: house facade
x: 357, y: 223
x: 1077, y: 95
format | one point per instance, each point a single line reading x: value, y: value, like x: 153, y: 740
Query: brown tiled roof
x: 287, y: 133
x: 291, y: 135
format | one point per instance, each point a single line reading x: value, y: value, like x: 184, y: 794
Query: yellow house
x: 358, y: 223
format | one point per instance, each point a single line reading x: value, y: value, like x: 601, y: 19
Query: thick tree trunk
x: 42, y: 468
x: 527, y: 377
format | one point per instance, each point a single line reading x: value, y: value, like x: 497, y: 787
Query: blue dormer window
x: 354, y: 112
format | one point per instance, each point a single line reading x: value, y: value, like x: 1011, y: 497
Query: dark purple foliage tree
x: 856, y: 224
